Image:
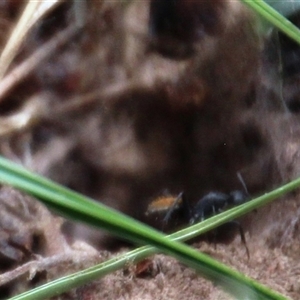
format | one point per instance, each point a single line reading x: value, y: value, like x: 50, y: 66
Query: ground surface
x: 123, y: 117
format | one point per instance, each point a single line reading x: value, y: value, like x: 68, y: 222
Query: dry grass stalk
x: 42, y: 53
x: 33, y: 11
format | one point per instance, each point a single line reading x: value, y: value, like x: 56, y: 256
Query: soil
x: 126, y: 115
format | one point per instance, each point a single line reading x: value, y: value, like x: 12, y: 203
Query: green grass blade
x: 285, y: 7
x: 82, y: 277
x: 95, y: 272
x: 275, y: 18
x: 98, y: 215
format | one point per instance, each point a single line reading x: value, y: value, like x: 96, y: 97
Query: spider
x: 209, y: 205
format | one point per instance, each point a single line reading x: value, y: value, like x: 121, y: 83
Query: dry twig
x: 25, y: 68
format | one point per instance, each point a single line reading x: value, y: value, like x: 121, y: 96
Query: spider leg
x: 187, y: 210
x: 242, y: 234
x: 240, y: 178
x: 172, y: 209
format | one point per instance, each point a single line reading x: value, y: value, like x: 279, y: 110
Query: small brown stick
x: 34, y: 266
x: 26, y: 67
x: 44, y: 263
x: 103, y: 95
x: 32, y: 111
